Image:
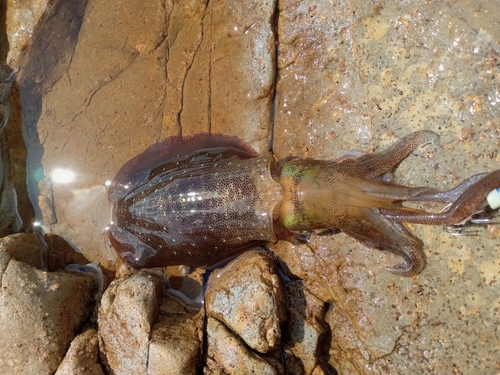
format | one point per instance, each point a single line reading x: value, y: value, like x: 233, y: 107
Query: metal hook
x: 481, y: 218
x: 460, y: 230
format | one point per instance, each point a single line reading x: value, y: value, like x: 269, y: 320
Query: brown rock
x: 319, y: 89
x: 61, y: 253
x: 126, y: 315
x: 306, y: 333
x: 40, y: 313
x: 27, y: 248
x: 23, y: 247
x: 248, y: 297
x: 6, y: 228
x: 176, y: 340
x: 22, y: 20
x: 227, y: 355
x: 82, y: 356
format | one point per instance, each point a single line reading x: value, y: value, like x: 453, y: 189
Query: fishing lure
x: 187, y: 202
x: 483, y: 216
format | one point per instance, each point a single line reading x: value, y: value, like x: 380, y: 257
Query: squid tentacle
x: 464, y: 206
x: 375, y: 231
x: 453, y: 194
x: 373, y: 165
x: 391, y: 191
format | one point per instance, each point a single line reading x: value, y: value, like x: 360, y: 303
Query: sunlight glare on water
x: 62, y: 176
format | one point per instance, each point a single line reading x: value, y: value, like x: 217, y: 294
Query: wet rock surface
x: 348, y: 76
x: 6, y: 79
x: 306, y: 334
x: 10, y: 221
x: 22, y: 19
x: 378, y: 73
x: 41, y: 311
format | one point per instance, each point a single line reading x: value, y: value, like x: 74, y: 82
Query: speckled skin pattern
x: 207, y: 205
x: 197, y: 210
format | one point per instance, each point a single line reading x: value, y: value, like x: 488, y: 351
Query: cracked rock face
x: 248, y: 296
x: 322, y: 78
x: 141, y: 330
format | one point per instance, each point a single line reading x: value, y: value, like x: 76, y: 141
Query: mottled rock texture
x: 248, y: 297
x: 40, y: 311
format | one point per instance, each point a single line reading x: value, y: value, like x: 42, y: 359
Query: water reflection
x: 62, y: 176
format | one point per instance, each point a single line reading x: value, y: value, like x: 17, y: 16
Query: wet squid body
x: 185, y: 202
